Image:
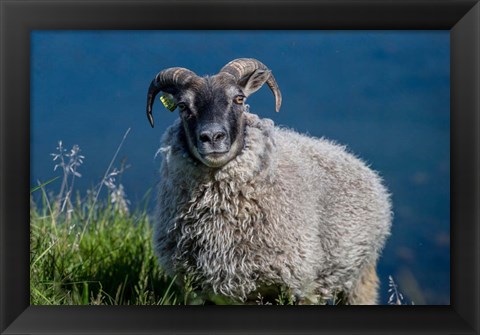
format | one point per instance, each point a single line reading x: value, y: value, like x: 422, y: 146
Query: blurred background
x: 384, y: 94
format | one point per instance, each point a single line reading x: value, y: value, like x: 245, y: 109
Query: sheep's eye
x: 181, y: 106
x: 239, y: 99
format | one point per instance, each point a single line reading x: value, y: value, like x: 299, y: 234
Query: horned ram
x: 249, y: 210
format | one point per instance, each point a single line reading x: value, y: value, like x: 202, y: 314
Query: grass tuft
x: 90, y: 251
x: 112, y: 262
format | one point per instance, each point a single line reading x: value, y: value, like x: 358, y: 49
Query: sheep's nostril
x: 205, y: 137
x: 219, y: 136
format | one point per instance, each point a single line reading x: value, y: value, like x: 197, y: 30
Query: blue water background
x: 384, y: 94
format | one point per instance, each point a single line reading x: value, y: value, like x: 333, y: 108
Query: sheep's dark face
x: 211, y: 110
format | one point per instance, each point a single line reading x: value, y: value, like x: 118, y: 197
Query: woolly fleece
x: 289, y: 210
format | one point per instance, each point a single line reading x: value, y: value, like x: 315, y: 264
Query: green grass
x: 92, y: 250
x: 105, y: 259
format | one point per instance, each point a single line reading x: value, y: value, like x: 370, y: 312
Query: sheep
x: 247, y: 209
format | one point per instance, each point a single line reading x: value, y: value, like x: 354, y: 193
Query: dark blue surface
x: 383, y: 94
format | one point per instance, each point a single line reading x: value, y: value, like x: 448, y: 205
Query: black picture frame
x: 18, y: 18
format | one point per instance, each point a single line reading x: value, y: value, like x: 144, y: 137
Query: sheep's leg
x: 365, y: 291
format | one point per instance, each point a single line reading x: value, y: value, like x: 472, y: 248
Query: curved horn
x: 243, y: 67
x: 172, y: 77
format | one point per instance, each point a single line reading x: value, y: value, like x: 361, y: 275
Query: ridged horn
x: 242, y: 67
x: 171, y: 77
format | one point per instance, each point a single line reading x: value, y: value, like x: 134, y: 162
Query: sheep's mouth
x: 215, y: 154
x: 216, y: 158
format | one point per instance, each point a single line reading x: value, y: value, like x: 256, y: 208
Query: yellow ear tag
x: 168, y: 102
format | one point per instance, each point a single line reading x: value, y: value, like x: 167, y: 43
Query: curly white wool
x: 289, y: 210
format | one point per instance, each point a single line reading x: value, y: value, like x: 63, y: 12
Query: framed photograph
x: 391, y: 86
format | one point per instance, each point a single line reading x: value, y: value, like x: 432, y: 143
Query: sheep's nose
x: 212, y: 135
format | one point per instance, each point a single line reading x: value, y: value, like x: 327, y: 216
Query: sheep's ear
x: 252, y: 83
